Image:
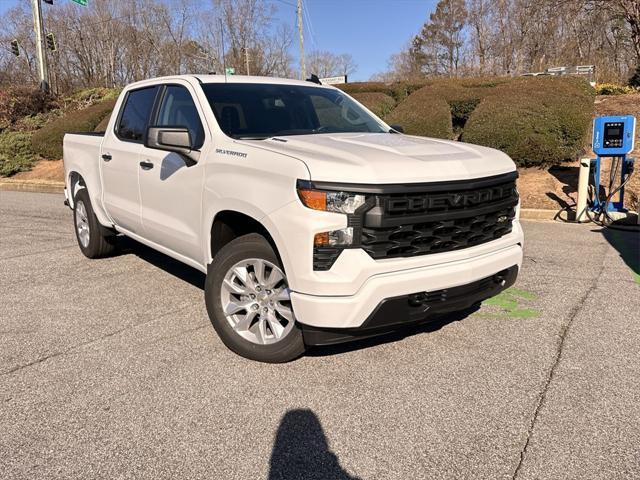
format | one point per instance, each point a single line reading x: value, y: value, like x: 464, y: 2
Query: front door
x: 171, y: 186
x: 120, y: 158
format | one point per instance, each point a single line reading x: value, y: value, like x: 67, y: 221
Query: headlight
x: 328, y: 201
x: 334, y: 238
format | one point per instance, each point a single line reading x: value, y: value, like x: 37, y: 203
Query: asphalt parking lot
x: 110, y: 369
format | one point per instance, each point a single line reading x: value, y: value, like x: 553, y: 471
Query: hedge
x: 379, y: 103
x: 420, y: 104
x: 102, y: 126
x: 535, y: 120
x: 423, y: 113
x: 47, y: 142
x: 19, y: 102
x: 634, y: 80
x: 397, y: 90
x: 15, y: 153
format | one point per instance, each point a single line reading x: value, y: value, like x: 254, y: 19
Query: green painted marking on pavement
x: 522, y: 294
x: 510, y: 304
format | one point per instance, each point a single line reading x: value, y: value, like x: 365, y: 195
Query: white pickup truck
x: 314, y: 221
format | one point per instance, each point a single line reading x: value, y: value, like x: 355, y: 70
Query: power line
x: 307, y: 17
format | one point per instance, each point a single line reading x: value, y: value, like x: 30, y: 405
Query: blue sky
x: 370, y: 30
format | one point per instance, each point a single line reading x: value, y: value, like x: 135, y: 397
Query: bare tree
x: 327, y: 64
x: 441, y: 40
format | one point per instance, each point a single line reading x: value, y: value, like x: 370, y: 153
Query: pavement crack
x: 79, y: 346
x: 37, y: 253
x: 577, y: 308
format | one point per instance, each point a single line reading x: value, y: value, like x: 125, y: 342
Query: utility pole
x: 43, y: 71
x: 303, y: 68
x: 246, y: 59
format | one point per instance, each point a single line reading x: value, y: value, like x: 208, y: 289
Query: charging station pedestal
x: 613, y: 137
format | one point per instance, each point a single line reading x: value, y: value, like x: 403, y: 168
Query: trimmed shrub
x: 102, y: 126
x: 397, y: 90
x: 31, y: 123
x: 536, y: 121
x: 423, y: 113
x: 15, y: 153
x: 379, y: 103
x: 18, y: 102
x: 89, y: 96
x: 47, y: 141
x: 461, y: 96
x: 613, y: 89
x: 634, y: 80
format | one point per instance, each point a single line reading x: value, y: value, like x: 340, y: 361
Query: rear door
x: 171, y: 186
x: 120, y: 158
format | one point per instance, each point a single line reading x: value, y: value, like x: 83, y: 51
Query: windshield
x: 258, y: 111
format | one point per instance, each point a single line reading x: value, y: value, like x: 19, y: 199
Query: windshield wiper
x: 248, y: 137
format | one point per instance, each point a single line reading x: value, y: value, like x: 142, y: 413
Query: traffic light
x: 51, y: 42
x: 15, y: 48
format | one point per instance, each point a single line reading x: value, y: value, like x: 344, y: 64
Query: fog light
x: 335, y: 238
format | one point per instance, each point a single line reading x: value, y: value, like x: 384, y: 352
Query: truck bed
x: 81, y: 154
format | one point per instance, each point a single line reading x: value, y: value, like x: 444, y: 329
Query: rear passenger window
x: 135, y: 114
x: 178, y: 110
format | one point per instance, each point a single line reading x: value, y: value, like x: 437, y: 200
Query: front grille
x: 444, y: 217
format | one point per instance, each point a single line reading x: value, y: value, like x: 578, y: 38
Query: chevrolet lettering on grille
x: 438, y: 201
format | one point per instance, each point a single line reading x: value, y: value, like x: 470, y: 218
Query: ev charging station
x: 613, y: 138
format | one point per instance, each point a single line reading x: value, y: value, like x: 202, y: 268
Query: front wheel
x: 249, y: 304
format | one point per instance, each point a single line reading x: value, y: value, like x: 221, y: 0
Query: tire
x: 93, y: 239
x: 247, y: 298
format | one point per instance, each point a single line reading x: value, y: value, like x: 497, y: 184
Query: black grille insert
x: 404, y: 225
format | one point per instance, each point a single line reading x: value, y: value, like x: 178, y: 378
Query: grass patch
x: 509, y: 304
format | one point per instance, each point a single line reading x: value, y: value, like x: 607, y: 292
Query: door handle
x: 106, y: 157
x: 146, y: 165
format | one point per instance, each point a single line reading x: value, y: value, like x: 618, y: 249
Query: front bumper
x: 352, y: 311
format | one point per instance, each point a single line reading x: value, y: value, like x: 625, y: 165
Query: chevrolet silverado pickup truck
x: 314, y: 221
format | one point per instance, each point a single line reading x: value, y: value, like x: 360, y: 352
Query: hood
x: 379, y: 158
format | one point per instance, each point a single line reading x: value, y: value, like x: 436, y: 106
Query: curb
x: 538, y: 214
x: 38, y: 186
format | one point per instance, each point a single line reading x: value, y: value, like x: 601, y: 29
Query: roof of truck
x: 228, y: 79
x: 250, y: 79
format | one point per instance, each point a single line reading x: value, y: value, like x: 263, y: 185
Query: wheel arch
x: 75, y: 182
x: 228, y: 225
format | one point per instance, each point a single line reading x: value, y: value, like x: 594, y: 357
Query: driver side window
x: 179, y: 110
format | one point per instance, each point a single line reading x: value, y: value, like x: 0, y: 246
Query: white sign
x: 334, y: 80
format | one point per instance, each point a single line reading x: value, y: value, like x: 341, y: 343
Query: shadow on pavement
x: 394, y: 336
x: 301, y: 450
x: 128, y: 246
x: 627, y: 243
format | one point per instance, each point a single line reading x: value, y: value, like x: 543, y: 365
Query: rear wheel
x: 93, y: 240
x: 249, y: 304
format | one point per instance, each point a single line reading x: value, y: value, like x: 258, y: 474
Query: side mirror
x: 171, y: 139
x: 396, y: 129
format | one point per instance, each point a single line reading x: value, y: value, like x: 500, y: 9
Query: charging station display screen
x: 613, y: 135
